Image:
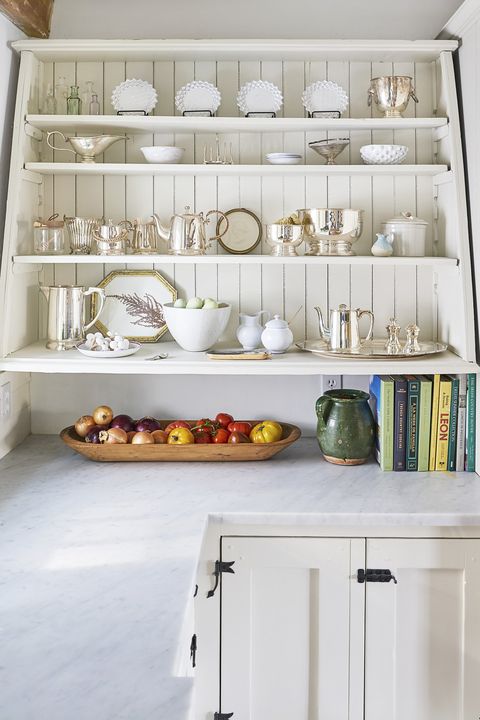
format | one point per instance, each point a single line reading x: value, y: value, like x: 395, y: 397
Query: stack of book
x: 424, y: 422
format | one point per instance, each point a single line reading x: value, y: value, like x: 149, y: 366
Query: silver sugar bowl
x: 284, y: 239
x: 331, y: 231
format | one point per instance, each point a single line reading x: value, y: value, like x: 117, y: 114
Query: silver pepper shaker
x: 393, y: 346
x: 412, y: 346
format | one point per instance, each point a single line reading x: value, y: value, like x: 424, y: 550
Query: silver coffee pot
x: 343, y: 333
x: 186, y: 234
x: 66, y: 314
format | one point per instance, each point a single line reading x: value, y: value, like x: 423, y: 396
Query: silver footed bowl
x: 284, y: 239
x: 331, y: 231
x: 329, y: 149
x: 391, y: 94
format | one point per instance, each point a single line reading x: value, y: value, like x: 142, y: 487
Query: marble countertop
x: 98, y: 559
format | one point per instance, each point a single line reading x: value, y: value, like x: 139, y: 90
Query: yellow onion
x: 114, y: 436
x: 160, y: 436
x: 84, y: 424
x: 130, y: 435
x: 103, y: 415
x: 143, y: 438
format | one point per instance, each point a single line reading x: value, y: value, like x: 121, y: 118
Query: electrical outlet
x: 331, y: 382
x: 5, y: 400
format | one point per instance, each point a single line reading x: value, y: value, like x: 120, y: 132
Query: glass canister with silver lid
x: 49, y: 236
x: 409, y: 235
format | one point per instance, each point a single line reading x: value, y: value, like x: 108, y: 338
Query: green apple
x: 180, y: 303
x: 195, y: 303
x: 210, y: 304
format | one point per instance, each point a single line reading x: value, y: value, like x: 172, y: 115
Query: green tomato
x: 210, y: 304
x: 195, y: 303
x: 180, y: 303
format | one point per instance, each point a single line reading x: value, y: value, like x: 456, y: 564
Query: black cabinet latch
x: 222, y: 716
x: 382, y: 576
x: 193, y: 650
x: 220, y: 567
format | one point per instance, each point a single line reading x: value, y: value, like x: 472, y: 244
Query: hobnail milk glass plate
x: 324, y: 95
x: 198, y: 95
x: 133, y: 95
x: 134, y: 347
x: 259, y: 96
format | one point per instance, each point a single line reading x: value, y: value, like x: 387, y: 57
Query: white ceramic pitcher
x: 249, y: 332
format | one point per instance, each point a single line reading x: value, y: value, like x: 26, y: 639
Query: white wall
x: 465, y: 25
x: 408, y: 19
x: 14, y: 428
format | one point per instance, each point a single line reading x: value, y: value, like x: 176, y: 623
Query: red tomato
x: 177, y: 424
x: 205, y: 425
x: 221, y: 436
x: 202, y: 436
x: 238, y: 437
x: 240, y: 426
x: 223, y: 419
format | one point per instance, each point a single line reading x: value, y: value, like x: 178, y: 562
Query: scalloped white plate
x: 133, y: 95
x: 324, y: 95
x: 198, y: 95
x: 259, y: 96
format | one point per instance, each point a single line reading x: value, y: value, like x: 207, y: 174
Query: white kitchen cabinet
x: 422, y: 641
x: 301, y: 638
x: 286, y: 613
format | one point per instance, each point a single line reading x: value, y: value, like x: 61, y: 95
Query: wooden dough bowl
x: 180, y: 453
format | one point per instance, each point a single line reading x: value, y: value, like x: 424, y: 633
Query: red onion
x: 124, y: 422
x: 93, y: 434
x: 147, y: 424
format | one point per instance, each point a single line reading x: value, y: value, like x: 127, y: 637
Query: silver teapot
x: 343, y: 333
x: 186, y: 234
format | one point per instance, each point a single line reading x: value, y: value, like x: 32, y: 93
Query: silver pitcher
x: 112, y: 239
x: 343, y: 333
x: 80, y: 233
x: 66, y: 314
x: 186, y: 234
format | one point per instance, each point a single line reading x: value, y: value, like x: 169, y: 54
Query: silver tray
x: 375, y: 349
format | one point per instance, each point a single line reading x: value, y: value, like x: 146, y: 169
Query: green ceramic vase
x: 345, y: 428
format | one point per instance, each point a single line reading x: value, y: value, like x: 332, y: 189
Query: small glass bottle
x: 61, y: 93
x: 49, y: 104
x: 87, y: 96
x: 74, y: 104
x: 94, y: 107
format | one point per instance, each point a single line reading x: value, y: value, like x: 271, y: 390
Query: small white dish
x: 198, y: 95
x: 283, y: 159
x: 259, y: 96
x: 134, y: 347
x: 324, y: 96
x: 134, y: 96
x: 165, y: 154
x: 383, y: 154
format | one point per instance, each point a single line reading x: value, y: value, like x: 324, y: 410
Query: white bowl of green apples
x: 197, y: 323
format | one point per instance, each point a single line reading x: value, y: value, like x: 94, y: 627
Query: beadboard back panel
x: 406, y: 291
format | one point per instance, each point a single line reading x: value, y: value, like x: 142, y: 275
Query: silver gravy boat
x: 87, y: 147
x: 344, y: 332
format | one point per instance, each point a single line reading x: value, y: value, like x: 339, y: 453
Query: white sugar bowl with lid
x: 277, y: 336
x: 409, y: 235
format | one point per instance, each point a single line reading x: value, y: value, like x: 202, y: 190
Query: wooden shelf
x: 59, y: 168
x: 36, y: 358
x: 233, y: 49
x: 178, y: 124
x: 227, y: 260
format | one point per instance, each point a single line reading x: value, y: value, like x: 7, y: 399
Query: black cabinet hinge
x: 220, y: 567
x: 222, y: 716
x: 193, y: 650
x: 381, y: 576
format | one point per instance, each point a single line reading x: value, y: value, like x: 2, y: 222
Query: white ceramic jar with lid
x: 277, y: 336
x: 409, y: 235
